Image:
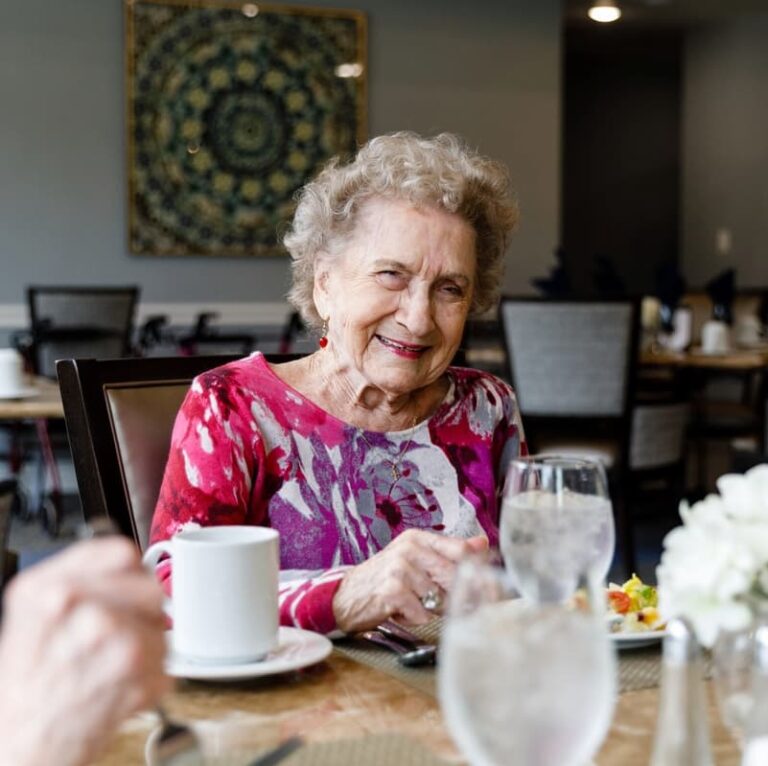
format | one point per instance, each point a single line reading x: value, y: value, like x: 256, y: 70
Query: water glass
x: 556, y: 526
x: 522, y: 683
x: 732, y: 657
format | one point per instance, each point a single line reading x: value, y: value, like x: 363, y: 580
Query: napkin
x: 721, y: 290
x: 670, y: 286
x: 558, y: 283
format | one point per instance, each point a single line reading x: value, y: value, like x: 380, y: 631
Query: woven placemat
x: 379, y: 749
x: 382, y: 659
x: 638, y: 668
x: 641, y: 668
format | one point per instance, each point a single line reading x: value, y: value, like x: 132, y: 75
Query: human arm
x: 217, y: 473
x: 81, y: 649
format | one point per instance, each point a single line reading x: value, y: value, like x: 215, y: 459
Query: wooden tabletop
x: 341, y: 699
x: 738, y: 360
x: 46, y: 403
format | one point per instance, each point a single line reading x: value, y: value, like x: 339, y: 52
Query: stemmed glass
x: 732, y: 658
x: 522, y: 683
x: 556, y: 526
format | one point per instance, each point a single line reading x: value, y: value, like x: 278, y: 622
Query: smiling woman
x: 378, y: 463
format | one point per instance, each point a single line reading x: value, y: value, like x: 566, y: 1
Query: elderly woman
x: 378, y: 463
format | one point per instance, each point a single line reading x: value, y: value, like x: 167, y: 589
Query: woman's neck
x: 349, y: 396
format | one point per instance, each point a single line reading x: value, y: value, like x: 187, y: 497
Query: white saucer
x: 20, y: 393
x: 637, y: 640
x: 296, y: 649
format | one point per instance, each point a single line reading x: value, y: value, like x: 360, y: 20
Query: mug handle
x: 150, y: 560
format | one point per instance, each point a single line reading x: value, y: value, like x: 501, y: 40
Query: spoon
x: 411, y: 653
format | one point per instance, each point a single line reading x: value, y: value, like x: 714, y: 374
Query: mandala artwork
x: 231, y: 109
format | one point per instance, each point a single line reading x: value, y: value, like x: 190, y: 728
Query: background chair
x: 69, y: 322
x: 120, y: 415
x: 573, y: 365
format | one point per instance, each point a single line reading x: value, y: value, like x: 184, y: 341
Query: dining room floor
x: 32, y: 543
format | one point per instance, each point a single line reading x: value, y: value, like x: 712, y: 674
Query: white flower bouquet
x: 714, y: 568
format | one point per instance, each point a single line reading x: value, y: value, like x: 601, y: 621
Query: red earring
x: 323, y: 340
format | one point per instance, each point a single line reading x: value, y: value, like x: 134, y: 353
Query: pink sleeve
x: 212, y: 474
x: 305, y: 602
x: 213, y: 464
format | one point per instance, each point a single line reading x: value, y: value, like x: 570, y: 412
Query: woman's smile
x: 397, y: 297
x: 405, y: 350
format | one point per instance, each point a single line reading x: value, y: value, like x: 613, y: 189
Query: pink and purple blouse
x: 249, y: 449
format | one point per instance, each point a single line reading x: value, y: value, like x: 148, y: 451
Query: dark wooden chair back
x: 8, y: 490
x: 119, y: 416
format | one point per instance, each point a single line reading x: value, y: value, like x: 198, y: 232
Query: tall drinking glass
x: 556, y: 526
x: 522, y: 683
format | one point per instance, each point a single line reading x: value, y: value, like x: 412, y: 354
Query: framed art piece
x: 232, y: 107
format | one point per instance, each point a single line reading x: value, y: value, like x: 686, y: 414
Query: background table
x: 47, y: 404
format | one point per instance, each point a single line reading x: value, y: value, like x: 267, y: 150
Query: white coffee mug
x: 715, y: 337
x: 11, y: 372
x: 224, y: 592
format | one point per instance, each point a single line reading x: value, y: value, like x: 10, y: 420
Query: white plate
x: 637, y: 640
x: 296, y: 649
x: 20, y: 393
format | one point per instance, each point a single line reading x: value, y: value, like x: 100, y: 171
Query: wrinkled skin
x: 81, y: 649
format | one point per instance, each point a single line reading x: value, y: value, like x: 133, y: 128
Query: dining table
x: 42, y: 401
x: 351, y: 710
x: 737, y: 360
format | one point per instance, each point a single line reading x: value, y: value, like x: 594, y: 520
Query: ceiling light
x: 604, y: 11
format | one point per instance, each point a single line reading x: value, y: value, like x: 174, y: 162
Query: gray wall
x: 488, y: 70
x: 725, y: 150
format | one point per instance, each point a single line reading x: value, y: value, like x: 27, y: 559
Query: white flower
x: 746, y: 497
x: 717, y: 561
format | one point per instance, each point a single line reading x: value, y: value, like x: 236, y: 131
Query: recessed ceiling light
x: 604, y: 11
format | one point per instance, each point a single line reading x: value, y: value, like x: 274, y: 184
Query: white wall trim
x: 13, y: 316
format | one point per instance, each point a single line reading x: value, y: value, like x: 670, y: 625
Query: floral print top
x: 249, y: 449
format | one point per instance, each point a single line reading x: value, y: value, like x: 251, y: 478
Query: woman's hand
x: 81, y: 648
x: 393, y: 582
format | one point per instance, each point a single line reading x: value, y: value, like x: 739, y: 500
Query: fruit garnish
x: 634, y: 605
x: 619, y: 601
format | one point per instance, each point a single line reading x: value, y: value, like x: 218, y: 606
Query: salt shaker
x: 756, y: 735
x: 682, y: 731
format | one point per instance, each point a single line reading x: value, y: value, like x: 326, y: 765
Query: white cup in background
x: 748, y: 331
x: 224, y: 592
x: 12, y: 379
x: 715, y: 337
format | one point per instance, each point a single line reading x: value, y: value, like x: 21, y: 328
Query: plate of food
x: 633, y: 614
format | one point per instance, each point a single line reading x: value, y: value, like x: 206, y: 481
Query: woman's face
x: 398, y: 294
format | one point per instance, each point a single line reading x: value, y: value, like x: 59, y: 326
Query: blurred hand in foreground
x: 81, y: 649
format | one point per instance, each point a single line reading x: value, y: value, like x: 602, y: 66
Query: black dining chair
x: 574, y: 366
x: 8, y: 490
x: 66, y: 321
x: 119, y: 416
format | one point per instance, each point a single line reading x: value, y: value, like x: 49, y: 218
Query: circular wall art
x: 231, y: 109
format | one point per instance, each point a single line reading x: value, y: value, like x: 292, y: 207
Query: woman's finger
x: 452, y: 548
x: 412, y: 611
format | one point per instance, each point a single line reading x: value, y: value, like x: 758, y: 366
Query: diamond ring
x: 431, y: 600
